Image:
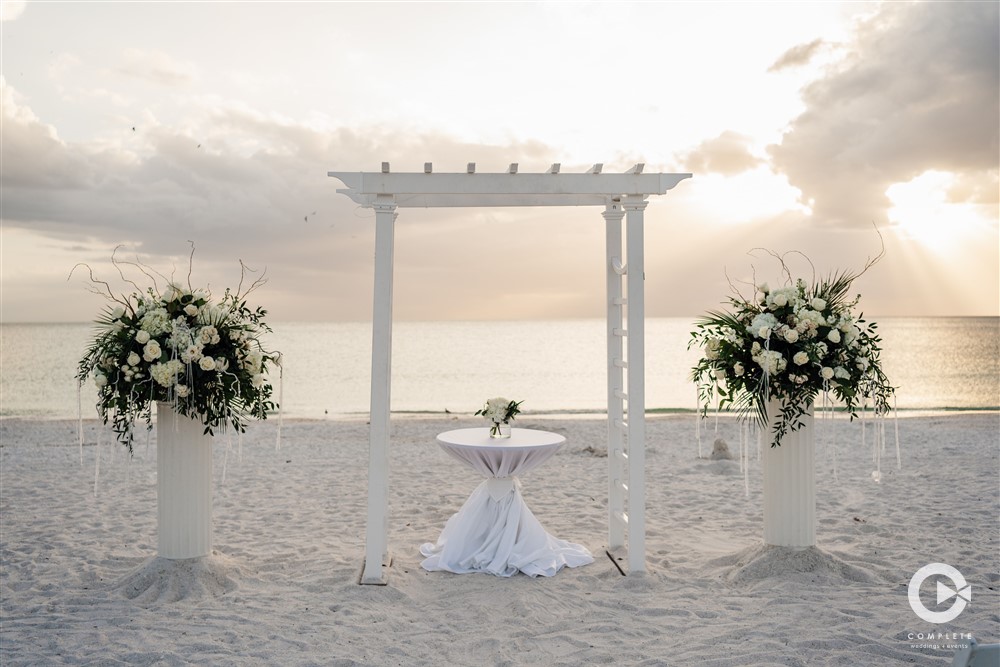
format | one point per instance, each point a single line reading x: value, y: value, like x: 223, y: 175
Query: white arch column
x: 617, y: 475
x: 635, y: 207
x: 377, y: 530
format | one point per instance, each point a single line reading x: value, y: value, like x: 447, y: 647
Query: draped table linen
x: 494, y: 531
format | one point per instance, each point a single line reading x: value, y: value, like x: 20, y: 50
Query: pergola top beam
x: 511, y: 188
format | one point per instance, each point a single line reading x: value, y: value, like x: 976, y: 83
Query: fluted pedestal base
x: 790, y: 486
x: 184, y: 485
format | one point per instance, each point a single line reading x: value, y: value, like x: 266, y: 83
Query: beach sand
x: 80, y: 583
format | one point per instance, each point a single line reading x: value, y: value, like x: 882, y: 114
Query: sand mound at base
x: 764, y: 562
x: 164, y: 580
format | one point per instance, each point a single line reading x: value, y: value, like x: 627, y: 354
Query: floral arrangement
x: 176, y: 345
x: 788, y: 344
x: 499, y: 411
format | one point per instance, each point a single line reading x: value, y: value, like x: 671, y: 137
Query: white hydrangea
x: 782, y: 296
x: 712, y: 348
x: 166, y: 373
x: 762, y: 325
x: 156, y: 322
x: 771, y: 362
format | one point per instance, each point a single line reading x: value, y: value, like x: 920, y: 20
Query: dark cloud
x: 727, y: 154
x: 919, y: 90
x: 798, y: 55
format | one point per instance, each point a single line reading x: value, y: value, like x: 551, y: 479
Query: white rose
x: 780, y: 300
x: 738, y: 369
x: 764, y: 288
x: 142, y: 337
x: 258, y: 380
x: 826, y: 373
x: 712, y: 348
x: 791, y: 335
x: 800, y: 358
x: 190, y: 310
x: 151, y: 352
x: 834, y: 336
x: 191, y: 354
x: 209, y: 335
x: 133, y: 359
x: 818, y: 304
x: 207, y: 363
x: 182, y: 390
x: 720, y: 374
x: 117, y: 313
x: 100, y: 380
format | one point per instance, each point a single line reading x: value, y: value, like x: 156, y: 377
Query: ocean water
x: 553, y: 366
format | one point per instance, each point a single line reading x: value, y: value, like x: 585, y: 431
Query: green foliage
x: 207, y: 360
x: 789, y: 345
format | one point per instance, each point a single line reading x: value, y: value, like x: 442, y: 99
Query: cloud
x: 727, y: 154
x: 157, y: 67
x: 242, y: 184
x: 918, y: 90
x: 798, y: 55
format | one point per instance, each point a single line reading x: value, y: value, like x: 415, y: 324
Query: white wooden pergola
x: 623, y: 196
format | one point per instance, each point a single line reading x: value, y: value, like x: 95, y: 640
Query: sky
x: 827, y: 131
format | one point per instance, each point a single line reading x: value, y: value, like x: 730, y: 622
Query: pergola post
x: 617, y: 476
x: 377, y: 531
x: 635, y: 207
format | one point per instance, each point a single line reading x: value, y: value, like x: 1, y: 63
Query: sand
x: 80, y: 582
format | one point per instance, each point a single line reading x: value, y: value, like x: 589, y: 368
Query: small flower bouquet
x: 499, y: 412
x: 206, y: 359
x: 789, y: 344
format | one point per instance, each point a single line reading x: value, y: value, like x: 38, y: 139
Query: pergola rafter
x: 623, y: 196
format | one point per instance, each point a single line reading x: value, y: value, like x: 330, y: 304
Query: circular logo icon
x: 959, y: 590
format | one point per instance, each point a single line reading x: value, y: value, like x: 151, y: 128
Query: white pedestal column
x: 790, y: 485
x: 183, y: 485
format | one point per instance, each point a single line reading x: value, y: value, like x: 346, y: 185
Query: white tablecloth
x: 494, y: 531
